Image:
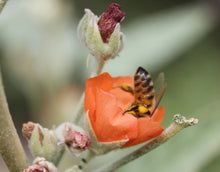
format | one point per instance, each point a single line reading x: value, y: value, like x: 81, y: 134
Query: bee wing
x: 159, y: 86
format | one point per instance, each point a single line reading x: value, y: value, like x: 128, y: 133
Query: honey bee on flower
x: 105, y: 103
x: 146, y: 96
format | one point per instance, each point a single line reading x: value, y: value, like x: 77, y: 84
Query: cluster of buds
x: 102, y: 35
x: 50, y: 143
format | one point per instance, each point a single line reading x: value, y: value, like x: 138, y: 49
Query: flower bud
x: 77, y: 140
x: 73, y: 137
x: 42, y: 142
x: 41, y: 165
x: 102, y: 36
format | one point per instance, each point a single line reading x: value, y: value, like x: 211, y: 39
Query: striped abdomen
x: 144, y: 92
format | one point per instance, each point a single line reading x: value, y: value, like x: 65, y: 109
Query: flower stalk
x: 180, y: 122
x: 10, y: 148
x: 98, y: 67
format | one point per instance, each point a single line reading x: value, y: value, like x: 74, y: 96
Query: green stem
x: 179, y: 123
x: 10, y: 148
x: 2, y: 4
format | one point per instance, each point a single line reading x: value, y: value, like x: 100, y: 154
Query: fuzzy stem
x: 99, y: 66
x: 2, y: 4
x: 179, y: 123
x: 10, y: 148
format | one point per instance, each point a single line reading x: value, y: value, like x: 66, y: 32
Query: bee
x: 147, y: 95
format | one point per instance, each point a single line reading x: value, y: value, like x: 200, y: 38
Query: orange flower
x: 104, y: 105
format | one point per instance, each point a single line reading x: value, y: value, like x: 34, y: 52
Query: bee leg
x: 126, y: 88
x: 131, y: 110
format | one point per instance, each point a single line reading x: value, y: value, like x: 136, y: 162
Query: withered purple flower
x: 108, y: 21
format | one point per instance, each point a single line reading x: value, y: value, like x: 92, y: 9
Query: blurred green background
x: 44, y: 70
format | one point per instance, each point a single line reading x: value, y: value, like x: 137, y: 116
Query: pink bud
x: 77, y: 140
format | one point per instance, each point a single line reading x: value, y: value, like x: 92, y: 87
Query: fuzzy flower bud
x: 73, y: 137
x: 102, y: 35
x: 42, y: 142
x: 41, y: 165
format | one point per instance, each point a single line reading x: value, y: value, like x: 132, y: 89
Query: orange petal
x: 103, y: 82
x: 159, y: 114
x: 110, y: 124
x: 124, y: 99
x: 123, y: 80
x: 147, y: 130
